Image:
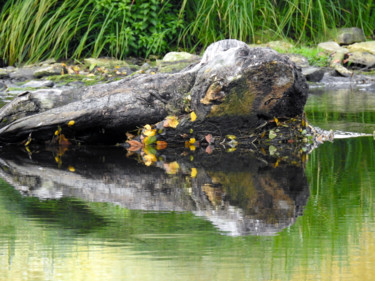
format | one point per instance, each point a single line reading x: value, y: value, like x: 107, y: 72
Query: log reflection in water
x: 237, y: 192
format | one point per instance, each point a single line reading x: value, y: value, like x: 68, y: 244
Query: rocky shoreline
x: 352, y: 64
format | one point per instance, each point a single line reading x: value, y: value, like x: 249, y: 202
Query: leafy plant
x: 302, y: 20
x: 34, y: 30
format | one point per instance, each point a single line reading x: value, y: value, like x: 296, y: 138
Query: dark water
x: 96, y: 214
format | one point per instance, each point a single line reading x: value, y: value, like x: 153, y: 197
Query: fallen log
x: 234, y: 89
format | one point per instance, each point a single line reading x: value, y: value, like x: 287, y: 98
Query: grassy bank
x: 34, y: 30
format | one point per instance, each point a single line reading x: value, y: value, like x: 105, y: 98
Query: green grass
x: 305, y: 21
x: 35, y: 30
x: 315, y: 56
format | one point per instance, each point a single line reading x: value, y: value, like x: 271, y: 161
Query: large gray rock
x: 347, y: 36
x: 233, y: 86
x: 368, y: 47
x: 361, y: 58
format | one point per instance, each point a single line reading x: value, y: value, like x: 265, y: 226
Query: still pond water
x: 94, y: 214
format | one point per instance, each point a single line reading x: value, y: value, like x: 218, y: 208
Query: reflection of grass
x: 65, y: 213
x: 341, y: 177
x: 330, y: 109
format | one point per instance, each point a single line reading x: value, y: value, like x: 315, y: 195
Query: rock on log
x: 233, y: 86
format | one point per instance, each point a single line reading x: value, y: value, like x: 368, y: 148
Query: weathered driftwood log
x: 233, y: 88
x: 237, y: 192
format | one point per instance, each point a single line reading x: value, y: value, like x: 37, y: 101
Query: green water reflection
x: 75, y: 239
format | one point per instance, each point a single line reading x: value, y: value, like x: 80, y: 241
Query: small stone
x: 105, y: 62
x: 299, y: 60
x: 3, y: 73
x: 38, y: 84
x: 22, y: 74
x: 279, y: 45
x: 332, y: 47
x: 313, y: 74
x: 179, y: 56
x: 2, y: 87
x: 54, y: 69
x: 347, y: 36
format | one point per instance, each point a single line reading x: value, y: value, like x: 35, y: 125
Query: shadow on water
x: 240, y: 194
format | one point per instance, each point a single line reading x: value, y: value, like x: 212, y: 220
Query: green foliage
x: 31, y: 30
x: 34, y: 30
x: 315, y: 56
x: 302, y: 20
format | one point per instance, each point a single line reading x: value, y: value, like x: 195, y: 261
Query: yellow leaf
x: 194, y: 172
x: 148, y: 131
x: 231, y: 137
x: 192, y: 141
x: 170, y: 121
x: 192, y: 147
x: 58, y: 131
x: 193, y: 116
x: 172, y: 168
x: 71, y: 123
x: 71, y: 169
x: 191, y: 131
x: 148, y: 159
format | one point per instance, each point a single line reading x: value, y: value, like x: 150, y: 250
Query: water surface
x: 94, y: 214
